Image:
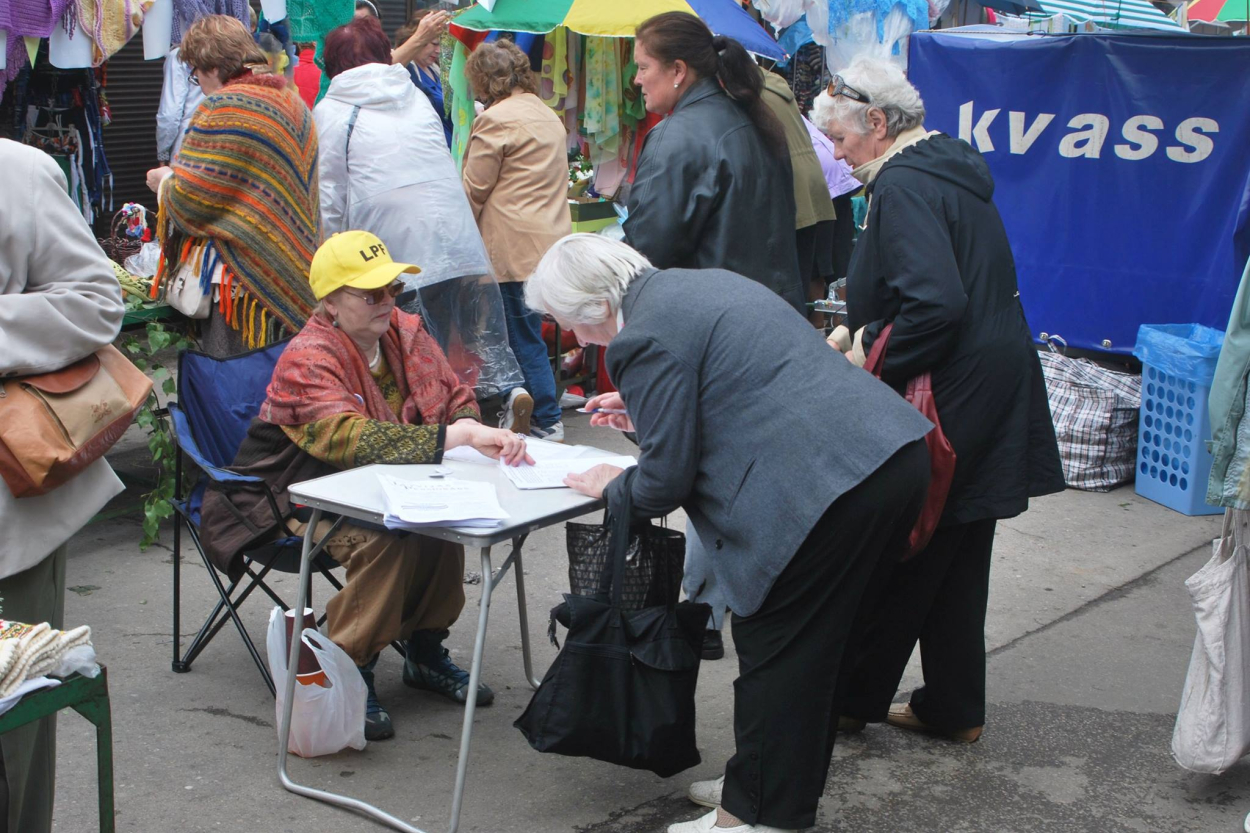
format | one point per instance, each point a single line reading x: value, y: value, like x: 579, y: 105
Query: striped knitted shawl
x: 245, y: 181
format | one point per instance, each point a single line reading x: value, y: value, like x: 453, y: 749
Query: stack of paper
x: 412, y: 504
x: 553, y: 462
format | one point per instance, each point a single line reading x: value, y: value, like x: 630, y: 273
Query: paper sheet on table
x: 541, y: 450
x: 550, y: 474
x: 411, y: 504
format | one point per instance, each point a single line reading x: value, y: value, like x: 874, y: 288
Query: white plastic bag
x: 145, y: 262
x: 1213, y: 724
x: 324, y: 720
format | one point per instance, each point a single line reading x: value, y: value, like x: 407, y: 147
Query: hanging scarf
x: 246, y: 179
x: 602, y: 120
x: 322, y: 373
x: 553, y: 81
x: 111, y: 24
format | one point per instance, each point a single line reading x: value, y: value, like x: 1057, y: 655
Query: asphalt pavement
x: 1089, y: 630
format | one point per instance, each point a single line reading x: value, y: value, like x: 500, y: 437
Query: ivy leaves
x: 151, y: 418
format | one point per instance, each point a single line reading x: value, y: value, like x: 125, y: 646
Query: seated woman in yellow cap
x: 364, y: 383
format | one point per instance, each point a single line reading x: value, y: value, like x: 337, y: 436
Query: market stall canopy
x: 1118, y: 14
x: 617, y: 18
x: 1211, y: 11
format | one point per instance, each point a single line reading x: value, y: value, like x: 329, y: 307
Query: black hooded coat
x: 934, y: 260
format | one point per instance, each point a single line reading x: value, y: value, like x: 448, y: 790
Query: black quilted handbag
x: 653, y: 563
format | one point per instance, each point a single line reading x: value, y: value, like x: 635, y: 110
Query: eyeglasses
x: 373, y: 297
x: 839, y: 87
x: 195, y: 77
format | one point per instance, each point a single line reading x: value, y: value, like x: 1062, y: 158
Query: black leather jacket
x: 710, y: 194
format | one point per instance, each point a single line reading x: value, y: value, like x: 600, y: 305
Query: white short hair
x: 580, y: 274
x: 887, y: 89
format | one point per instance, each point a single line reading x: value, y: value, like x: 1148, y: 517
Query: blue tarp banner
x: 1122, y: 169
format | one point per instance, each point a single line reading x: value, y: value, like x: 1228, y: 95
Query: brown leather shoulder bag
x: 54, y: 425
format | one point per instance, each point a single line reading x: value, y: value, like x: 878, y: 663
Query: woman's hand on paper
x: 611, y: 401
x: 592, y: 482
x: 495, y: 443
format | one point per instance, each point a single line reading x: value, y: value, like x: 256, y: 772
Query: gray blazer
x: 746, y: 418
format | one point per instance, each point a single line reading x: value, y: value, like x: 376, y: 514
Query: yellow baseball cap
x: 354, y: 258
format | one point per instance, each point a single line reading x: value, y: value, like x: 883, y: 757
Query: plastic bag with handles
x: 325, y: 719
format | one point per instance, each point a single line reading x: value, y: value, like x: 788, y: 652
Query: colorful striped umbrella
x: 618, y: 18
x: 1115, y: 14
x: 1221, y: 10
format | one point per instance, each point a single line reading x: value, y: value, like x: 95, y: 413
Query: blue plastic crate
x: 1173, y: 463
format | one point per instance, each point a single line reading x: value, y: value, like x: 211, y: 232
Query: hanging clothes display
x: 187, y: 12
x: 553, y: 84
x: 311, y: 20
x: 110, y: 24
x: 806, y: 75
x: 573, y: 98
x: 601, y: 116
x: 59, y: 111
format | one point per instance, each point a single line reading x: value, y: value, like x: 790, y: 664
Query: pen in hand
x: 620, y: 411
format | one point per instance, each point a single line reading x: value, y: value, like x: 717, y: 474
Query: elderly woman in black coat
x: 727, y: 389
x: 714, y: 188
x: 934, y: 261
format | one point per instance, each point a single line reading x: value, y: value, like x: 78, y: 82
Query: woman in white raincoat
x: 385, y: 168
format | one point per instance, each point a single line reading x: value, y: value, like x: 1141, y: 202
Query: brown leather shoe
x: 850, y: 725
x: 903, y: 717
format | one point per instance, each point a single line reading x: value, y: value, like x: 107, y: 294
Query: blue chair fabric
x: 217, y: 400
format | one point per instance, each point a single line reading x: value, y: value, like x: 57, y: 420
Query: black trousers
x: 937, y: 598
x: 785, y: 706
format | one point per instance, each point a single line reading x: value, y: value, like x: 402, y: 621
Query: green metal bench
x: 90, y: 698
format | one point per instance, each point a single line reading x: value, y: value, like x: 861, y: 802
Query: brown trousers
x: 395, y: 585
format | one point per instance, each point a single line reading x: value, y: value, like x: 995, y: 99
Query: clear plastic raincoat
x: 385, y: 168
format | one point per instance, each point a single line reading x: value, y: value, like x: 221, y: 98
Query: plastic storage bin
x: 1173, y: 463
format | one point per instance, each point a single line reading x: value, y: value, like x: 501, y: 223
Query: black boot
x: 713, y: 645
x: 377, y: 721
x: 429, y: 667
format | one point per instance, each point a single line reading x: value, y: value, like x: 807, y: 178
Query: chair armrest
x: 187, y: 444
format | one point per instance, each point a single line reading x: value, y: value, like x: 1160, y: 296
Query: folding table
x: 356, y: 494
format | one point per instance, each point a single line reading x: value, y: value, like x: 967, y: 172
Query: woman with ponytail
x: 713, y: 188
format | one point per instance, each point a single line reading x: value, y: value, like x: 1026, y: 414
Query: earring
x: 335, y: 324
x: 675, y: 86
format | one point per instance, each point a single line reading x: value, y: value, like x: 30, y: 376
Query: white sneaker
x: 706, y: 793
x: 517, y: 411
x: 552, y: 433
x: 707, y: 824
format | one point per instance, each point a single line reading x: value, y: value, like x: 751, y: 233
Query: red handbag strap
x: 876, y: 356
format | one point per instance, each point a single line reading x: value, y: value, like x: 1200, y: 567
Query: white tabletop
x: 356, y: 493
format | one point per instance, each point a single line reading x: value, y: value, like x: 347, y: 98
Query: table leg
x: 475, y: 676
x: 519, y: 570
x: 284, y: 732
x: 104, y: 767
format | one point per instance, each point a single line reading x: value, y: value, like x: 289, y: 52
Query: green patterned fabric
x: 462, y: 114
x: 312, y: 20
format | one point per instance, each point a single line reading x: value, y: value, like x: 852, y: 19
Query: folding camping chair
x: 217, y: 399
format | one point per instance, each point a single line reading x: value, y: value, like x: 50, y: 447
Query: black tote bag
x: 622, y: 688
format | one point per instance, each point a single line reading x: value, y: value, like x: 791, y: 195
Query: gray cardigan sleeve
x: 59, y: 296
x: 661, y: 393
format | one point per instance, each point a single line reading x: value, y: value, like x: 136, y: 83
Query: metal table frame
x: 369, y: 510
